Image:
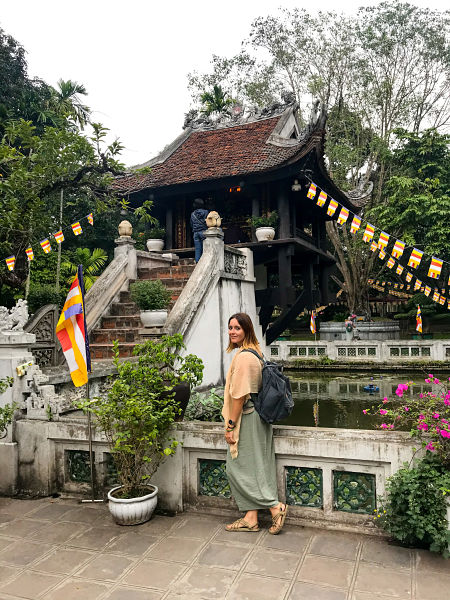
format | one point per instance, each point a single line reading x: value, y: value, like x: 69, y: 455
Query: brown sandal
x: 241, y: 525
x: 278, y: 520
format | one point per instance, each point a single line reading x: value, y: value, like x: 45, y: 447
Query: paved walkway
x: 62, y: 550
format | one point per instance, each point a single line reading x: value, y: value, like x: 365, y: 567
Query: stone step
x: 121, y: 322
x: 101, y: 351
x: 172, y: 272
x: 101, y: 336
x: 124, y: 309
x: 186, y: 261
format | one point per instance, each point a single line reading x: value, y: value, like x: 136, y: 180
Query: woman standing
x: 251, y: 468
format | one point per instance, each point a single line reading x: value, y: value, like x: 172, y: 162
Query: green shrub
x: 41, y: 294
x: 268, y: 220
x: 150, y: 295
x: 414, y: 510
x: 156, y: 233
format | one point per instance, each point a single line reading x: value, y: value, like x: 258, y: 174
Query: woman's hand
x: 229, y: 437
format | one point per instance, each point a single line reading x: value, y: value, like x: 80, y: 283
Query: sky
x: 133, y: 56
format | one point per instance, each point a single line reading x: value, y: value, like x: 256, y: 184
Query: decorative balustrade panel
x: 354, y: 492
x: 78, y: 467
x: 235, y: 264
x: 304, y: 486
x: 212, y: 479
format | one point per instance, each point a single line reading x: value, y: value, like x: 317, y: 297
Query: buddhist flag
x: 408, y: 287
x: 312, y: 323
x: 77, y: 228
x: 356, y: 224
x: 408, y: 276
x: 448, y: 305
x: 427, y: 290
x: 10, y: 262
x: 390, y: 263
x: 448, y: 282
x: 402, y: 286
x: 332, y: 207
x: 395, y: 285
x: 383, y: 240
x: 312, y: 191
x: 71, y: 331
x: 373, y: 246
x: 90, y: 218
x: 442, y: 300
x: 443, y: 290
x: 399, y: 269
x: 30, y: 253
x: 59, y: 237
x: 45, y: 244
x: 382, y: 255
x: 343, y: 216
x: 419, y: 320
x: 436, y: 296
x: 415, y: 258
x: 435, y: 268
x: 398, y: 248
x: 417, y: 285
x: 321, y: 199
x: 368, y: 234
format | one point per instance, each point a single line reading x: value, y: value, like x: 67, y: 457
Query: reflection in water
x: 331, y: 400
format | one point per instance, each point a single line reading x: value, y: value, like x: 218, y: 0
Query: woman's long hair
x: 250, y: 340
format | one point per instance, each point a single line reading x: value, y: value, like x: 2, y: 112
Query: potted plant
x: 152, y: 298
x: 264, y: 226
x: 155, y: 241
x: 136, y: 416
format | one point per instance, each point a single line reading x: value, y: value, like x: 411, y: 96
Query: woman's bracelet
x: 230, y: 428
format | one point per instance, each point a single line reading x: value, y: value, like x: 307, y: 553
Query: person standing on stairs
x: 250, y: 462
x: 198, y: 226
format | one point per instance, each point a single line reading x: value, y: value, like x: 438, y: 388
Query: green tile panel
x: 354, y: 492
x: 212, y: 478
x: 304, y: 486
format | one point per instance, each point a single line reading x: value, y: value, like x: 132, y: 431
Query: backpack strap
x: 261, y: 358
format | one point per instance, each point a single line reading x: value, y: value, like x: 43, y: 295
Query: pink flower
x: 436, y: 415
x: 430, y: 375
x: 421, y: 417
x: 436, y: 381
x: 444, y: 421
x: 422, y: 427
x: 365, y: 411
x: 385, y: 400
x: 447, y: 402
x: 427, y: 380
x: 383, y: 412
x: 445, y: 433
x: 384, y: 426
x: 430, y: 447
x: 420, y: 395
x: 406, y: 408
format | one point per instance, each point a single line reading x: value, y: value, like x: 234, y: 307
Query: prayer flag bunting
x: 312, y: 191
x: 435, y: 296
x: 10, y: 262
x: 383, y: 240
x: 402, y: 286
x: 72, y: 333
x: 417, y: 285
x: 90, y: 218
x: 419, y: 320
x: 435, y: 268
x: 395, y: 285
x: 30, y: 253
x: 59, y: 237
x: 448, y: 282
x: 408, y: 287
x: 390, y: 263
x: 408, y: 276
x: 415, y: 258
x: 356, y: 224
x: 368, y: 234
x: 46, y: 247
x: 443, y: 290
x: 442, y: 300
x: 399, y: 270
x: 427, y: 290
x: 343, y: 216
x: 398, y: 248
x: 321, y: 199
x: 448, y: 305
x: 77, y: 228
x: 382, y: 254
x: 373, y: 246
x: 312, y: 324
x: 332, y: 206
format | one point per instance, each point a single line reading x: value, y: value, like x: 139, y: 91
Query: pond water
x: 338, y: 399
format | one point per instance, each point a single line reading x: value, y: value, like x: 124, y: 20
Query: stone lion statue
x: 14, y: 319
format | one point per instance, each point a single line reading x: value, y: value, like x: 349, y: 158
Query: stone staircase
x: 124, y: 324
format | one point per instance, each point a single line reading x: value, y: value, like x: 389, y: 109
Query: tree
x: 92, y: 264
x: 215, y: 101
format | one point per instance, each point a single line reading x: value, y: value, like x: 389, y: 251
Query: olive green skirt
x: 252, y: 475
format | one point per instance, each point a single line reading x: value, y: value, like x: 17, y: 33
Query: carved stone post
x: 126, y: 245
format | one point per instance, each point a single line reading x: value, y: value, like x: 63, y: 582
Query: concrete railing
x: 370, y: 351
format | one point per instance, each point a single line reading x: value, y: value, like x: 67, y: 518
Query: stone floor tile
x: 203, y: 582
x: 154, y: 574
x: 23, y: 552
x: 30, y: 584
x: 309, y: 591
x: 5, y: 502
x: 20, y: 508
x: 128, y: 593
x: 237, y: 537
x: 59, y: 533
x: 95, y: 538
x: 7, y: 573
x: 63, y: 560
x: 176, y: 549
x: 430, y: 561
x: 105, y: 567
x: 5, y: 542
x: 292, y: 540
x: 371, y: 596
x: 273, y: 563
x: 53, y: 511
x: 84, y: 514
x: 223, y: 556
x: 131, y: 543
x: 253, y: 587
x: 76, y: 589
x: 159, y: 525
x: 23, y: 528
x: 196, y: 527
x: 5, y: 518
x: 380, y: 552
x: 378, y: 579
x: 433, y: 586
x: 337, y: 545
x: 325, y: 570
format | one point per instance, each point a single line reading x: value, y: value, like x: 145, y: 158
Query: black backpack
x: 274, y: 401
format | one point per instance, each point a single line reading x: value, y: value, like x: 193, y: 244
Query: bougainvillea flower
x: 365, y: 411
x: 385, y: 400
x: 406, y: 408
x: 422, y: 427
x: 383, y: 411
x: 430, y: 447
x: 436, y: 415
x: 445, y: 433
